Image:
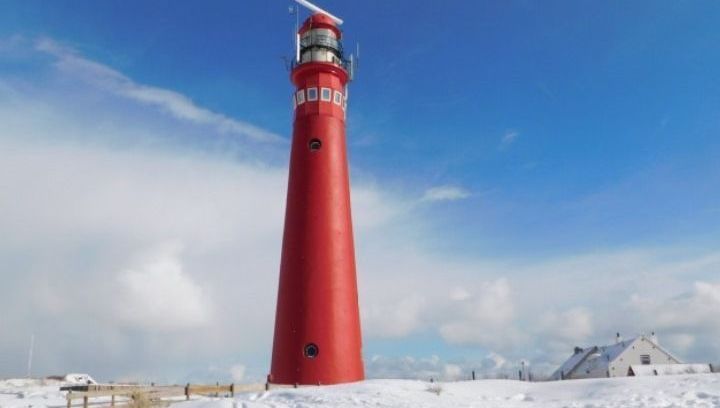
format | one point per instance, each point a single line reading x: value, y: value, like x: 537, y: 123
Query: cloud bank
x: 138, y: 261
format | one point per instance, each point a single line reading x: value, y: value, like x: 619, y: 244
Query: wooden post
x: 232, y: 390
x: 112, y: 400
x: 69, y: 399
x: 473, y: 375
x: 187, y: 391
x: 267, y: 385
x: 217, y: 389
x: 85, y: 401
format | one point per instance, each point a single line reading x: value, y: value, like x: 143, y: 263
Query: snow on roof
x: 572, y: 362
x: 79, y: 379
x: 669, y: 369
x: 611, y: 352
x: 602, y: 354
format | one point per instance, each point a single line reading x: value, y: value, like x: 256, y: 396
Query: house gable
x: 640, y: 351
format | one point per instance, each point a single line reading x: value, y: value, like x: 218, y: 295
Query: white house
x: 614, y: 360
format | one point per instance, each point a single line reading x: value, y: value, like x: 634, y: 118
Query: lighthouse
x: 317, y: 325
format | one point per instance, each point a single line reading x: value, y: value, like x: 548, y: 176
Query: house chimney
x: 618, y: 339
x: 578, y: 350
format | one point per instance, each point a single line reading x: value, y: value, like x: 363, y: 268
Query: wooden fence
x: 155, y: 394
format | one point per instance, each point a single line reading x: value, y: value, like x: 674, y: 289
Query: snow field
x: 672, y: 391
x: 698, y: 391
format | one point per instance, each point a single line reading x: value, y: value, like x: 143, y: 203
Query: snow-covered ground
x: 699, y: 390
x: 31, y: 393
x: 671, y: 391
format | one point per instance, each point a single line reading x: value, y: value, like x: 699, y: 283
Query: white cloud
x: 445, y: 193
x: 395, y: 318
x: 158, y: 295
x: 683, y: 318
x: 237, y: 372
x: 171, y: 102
x: 508, y: 138
x: 492, y: 365
x: 453, y: 372
x: 574, y: 324
x: 485, y: 318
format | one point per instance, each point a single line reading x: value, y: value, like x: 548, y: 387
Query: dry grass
x: 140, y: 400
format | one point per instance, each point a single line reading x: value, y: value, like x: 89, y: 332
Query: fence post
x: 85, y: 401
x: 69, y: 399
x: 473, y: 375
x: 232, y: 390
x: 187, y: 392
x: 112, y: 400
x: 267, y: 385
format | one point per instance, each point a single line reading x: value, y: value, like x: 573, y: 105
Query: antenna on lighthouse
x: 295, y: 10
x: 317, y: 9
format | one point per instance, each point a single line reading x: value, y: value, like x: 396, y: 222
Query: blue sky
x: 495, y: 148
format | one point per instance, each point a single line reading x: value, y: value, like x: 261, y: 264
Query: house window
x: 300, y: 97
x: 312, y: 94
x: 645, y: 359
x: 325, y: 94
x: 338, y: 98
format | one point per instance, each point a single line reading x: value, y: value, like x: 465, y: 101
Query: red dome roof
x: 320, y: 20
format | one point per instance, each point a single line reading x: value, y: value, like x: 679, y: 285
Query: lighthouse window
x: 314, y: 145
x: 325, y: 94
x: 300, y: 97
x: 338, y: 98
x: 311, y: 350
x: 294, y: 103
x: 312, y: 94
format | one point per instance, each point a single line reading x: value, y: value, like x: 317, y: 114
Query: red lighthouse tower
x: 317, y: 325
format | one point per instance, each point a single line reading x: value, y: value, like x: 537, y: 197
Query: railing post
x: 112, y: 400
x: 69, y: 399
x: 267, y: 385
x: 187, y: 391
x: 85, y: 401
x: 232, y: 390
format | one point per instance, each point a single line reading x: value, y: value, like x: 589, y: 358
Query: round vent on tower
x: 311, y: 350
x: 314, y: 145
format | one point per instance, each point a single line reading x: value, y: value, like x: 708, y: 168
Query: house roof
x: 568, y: 366
x: 605, y: 355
